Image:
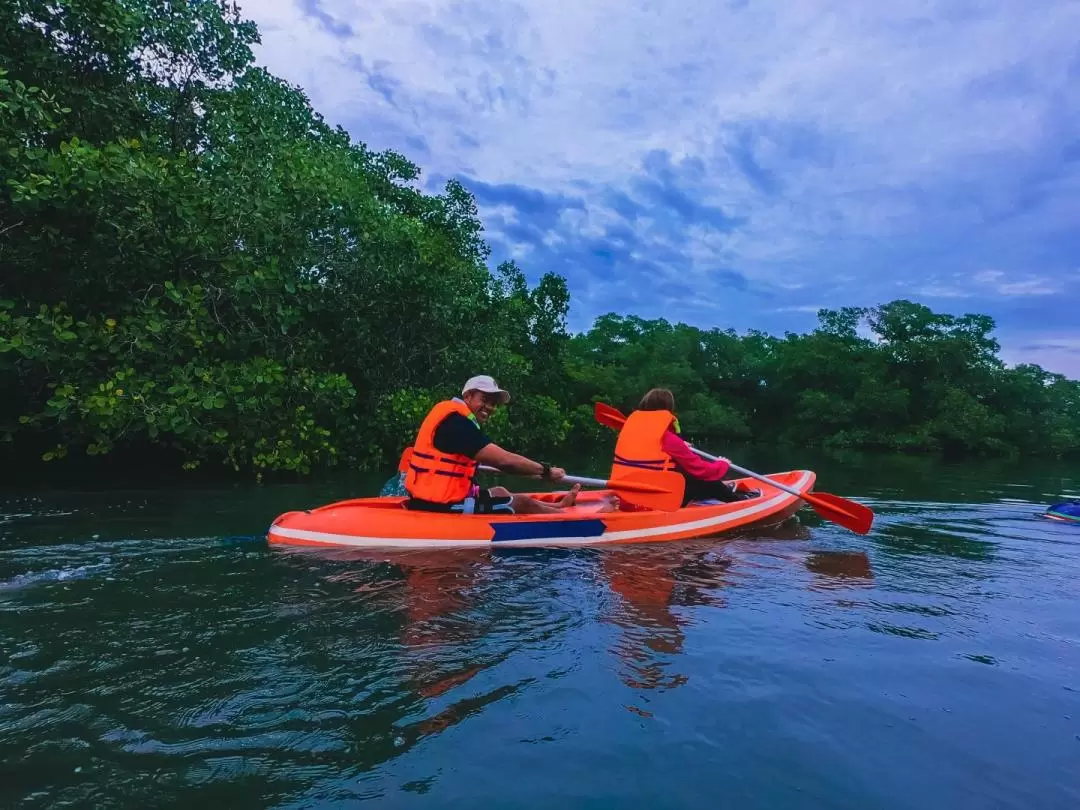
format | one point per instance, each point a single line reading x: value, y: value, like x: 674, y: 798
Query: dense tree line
x: 193, y: 264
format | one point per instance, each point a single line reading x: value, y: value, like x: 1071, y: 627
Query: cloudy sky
x: 735, y: 164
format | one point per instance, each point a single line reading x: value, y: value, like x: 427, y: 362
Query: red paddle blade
x: 608, y: 416
x: 655, y: 490
x: 849, y: 514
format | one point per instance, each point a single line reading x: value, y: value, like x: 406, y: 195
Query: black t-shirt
x: 455, y: 434
x: 460, y: 435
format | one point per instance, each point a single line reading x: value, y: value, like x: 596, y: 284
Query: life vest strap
x: 452, y: 461
x: 645, y: 464
x: 639, y: 462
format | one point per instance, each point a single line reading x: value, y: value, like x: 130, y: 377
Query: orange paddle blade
x: 608, y: 416
x: 665, y: 498
x: 633, y: 486
x: 849, y: 514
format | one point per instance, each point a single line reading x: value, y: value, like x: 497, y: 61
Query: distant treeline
x: 194, y: 265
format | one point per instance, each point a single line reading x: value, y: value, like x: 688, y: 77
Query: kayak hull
x: 385, y: 523
x: 1064, y: 512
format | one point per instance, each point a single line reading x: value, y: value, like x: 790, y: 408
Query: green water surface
x: 155, y: 653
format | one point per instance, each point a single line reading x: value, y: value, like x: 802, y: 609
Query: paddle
x: 847, y: 513
x: 643, y: 494
x: 651, y: 496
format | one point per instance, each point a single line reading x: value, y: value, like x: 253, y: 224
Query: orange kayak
x: 385, y: 523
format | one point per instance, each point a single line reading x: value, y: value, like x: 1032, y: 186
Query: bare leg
x: 524, y: 505
x: 609, y: 504
x: 570, y: 498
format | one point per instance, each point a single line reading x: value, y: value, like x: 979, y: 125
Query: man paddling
x: 449, y: 447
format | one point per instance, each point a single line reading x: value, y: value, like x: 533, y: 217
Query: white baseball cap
x: 487, y: 385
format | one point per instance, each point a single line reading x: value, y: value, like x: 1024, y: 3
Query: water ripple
x: 148, y: 661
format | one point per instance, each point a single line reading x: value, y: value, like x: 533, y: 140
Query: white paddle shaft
x: 570, y: 479
x: 750, y: 473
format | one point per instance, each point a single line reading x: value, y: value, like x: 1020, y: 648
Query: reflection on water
x: 650, y: 583
x: 150, y: 660
x: 839, y: 569
x: 432, y: 644
x: 432, y: 595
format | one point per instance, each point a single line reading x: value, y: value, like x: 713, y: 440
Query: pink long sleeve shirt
x: 690, y: 462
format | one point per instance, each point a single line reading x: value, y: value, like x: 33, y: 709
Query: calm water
x: 153, y: 652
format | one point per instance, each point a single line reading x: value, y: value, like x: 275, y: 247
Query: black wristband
x: 547, y: 470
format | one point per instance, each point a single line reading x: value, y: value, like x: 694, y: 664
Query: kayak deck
x: 385, y: 523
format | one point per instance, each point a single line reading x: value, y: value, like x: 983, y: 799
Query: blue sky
x: 734, y: 164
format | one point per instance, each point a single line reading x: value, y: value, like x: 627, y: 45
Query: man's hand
x: 557, y: 474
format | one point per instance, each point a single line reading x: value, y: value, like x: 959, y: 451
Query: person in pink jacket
x: 704, y: 479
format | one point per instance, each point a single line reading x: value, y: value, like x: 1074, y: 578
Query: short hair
x: 657, y: 399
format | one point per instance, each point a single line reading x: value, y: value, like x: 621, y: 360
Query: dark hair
x: 657, y: 399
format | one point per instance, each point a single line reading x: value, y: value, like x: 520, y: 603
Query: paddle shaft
x: 752, y: 474
x: 570, y: 479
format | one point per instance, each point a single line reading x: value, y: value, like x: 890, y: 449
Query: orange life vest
x: 639, y: 452
x: 433, y: 475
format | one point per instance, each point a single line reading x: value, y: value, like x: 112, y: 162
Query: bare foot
x: 609, y: 504
x: 570, y: 498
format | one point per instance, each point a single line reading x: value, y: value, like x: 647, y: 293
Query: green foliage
x: 395, y: 421
x: 195, y: 264
x: 918, y: 382
x: 195, y: 260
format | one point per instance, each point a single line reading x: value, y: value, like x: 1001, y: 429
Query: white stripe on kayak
x: 375, y: 542
x: 772, y: 504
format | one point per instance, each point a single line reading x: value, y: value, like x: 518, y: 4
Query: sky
x: 734, y: 164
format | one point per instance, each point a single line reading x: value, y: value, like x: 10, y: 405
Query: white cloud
x: 814, y: 308
x: 1053, y: 351
x: 989, y: 283
x: 907, y: 143
x: 943, y: 291
x: 590, y: 87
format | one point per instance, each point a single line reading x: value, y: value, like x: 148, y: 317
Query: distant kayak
x: 384, y: 522
x: 1065, y: 512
